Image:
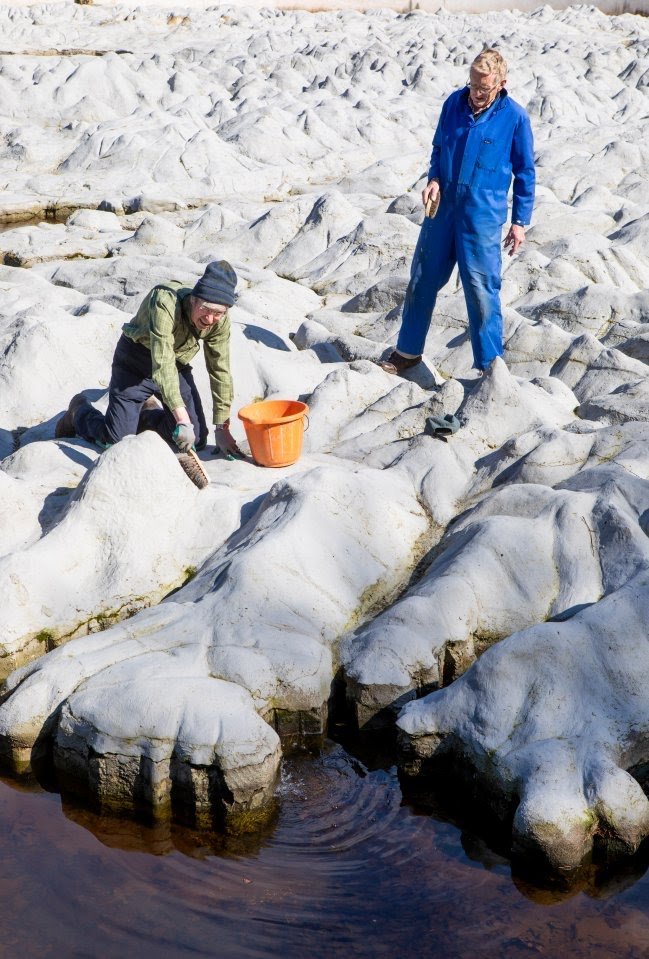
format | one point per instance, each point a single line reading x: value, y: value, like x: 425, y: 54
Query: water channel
x: 348, y: 869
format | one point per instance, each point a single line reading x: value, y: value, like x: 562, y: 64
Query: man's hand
x: 224, y: 440
x: 184, y: 437
x: 515, y: 238
x: 431, y: 190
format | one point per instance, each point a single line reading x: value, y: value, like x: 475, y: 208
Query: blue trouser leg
x: 479, y: 264
x: 432, y: 265
x: 131, y: 383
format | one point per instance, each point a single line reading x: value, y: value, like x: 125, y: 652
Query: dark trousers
x: 131, y: 383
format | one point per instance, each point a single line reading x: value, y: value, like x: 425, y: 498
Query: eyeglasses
x: 216, y: 309
x: 482, y: 91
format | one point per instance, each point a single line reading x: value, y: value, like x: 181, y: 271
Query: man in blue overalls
x: 482, y: 138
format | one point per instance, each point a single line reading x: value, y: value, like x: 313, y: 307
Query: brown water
x: 347, y: 870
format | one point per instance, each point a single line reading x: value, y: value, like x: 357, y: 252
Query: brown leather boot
x: 396, y: 363
x: 65, y: 425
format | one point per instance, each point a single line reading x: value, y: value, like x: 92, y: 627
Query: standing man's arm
x: 522, y: 159
x: 431, y: 190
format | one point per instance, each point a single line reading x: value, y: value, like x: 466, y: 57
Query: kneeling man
x: 151, y: 360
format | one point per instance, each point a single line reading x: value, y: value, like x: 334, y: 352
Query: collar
x: 184, y: 312
x: 498, y: 101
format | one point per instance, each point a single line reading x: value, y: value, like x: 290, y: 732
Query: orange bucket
x: 275, y: 429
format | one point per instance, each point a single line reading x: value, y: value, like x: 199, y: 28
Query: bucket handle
x: 306, y: 417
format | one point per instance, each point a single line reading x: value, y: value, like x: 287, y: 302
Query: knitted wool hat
x: 217, y: 283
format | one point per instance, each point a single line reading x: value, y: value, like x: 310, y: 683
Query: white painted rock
x: 551, y: 717
x: 39, y: 372
x: 120, y: 555
x: 283, y: 657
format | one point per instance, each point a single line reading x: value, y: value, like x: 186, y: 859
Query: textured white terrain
x: 160, y: 642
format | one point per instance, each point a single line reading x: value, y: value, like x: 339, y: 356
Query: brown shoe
x: 194, y: 469
x: 396, y: 363
x: 65, y: 425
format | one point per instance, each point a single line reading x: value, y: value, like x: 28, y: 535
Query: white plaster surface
x: 296, y: 145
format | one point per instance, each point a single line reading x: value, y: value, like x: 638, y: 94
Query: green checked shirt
x: 161, y: 324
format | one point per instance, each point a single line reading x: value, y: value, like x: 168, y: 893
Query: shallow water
x: 347, y: 870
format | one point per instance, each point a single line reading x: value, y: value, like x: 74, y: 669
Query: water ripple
x: 346, y: 870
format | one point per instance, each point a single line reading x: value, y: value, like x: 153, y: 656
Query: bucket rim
x: 277, y: 419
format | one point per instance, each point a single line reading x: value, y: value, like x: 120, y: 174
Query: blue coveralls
x: 474, y: 160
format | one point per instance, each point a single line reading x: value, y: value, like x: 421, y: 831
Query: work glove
x: 442, y: 426
x: 184, y: 437
x: 224, y: 440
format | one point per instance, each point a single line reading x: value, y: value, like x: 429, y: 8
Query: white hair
x: 490, y: 61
